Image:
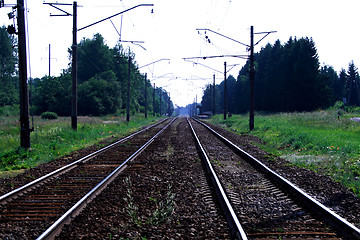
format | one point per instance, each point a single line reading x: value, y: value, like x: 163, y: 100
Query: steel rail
x: 54, y: 229
x: 68, y: 167
x: 236, y: 229
x: 339, y: 223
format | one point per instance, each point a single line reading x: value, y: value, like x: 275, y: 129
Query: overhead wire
x: 128, y: 16
x: 213, y: 16
x: 136, y: 33
x: 211, y: 12
x: 225, y: 15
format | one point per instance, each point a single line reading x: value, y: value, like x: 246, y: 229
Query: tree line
x: 288, y: 78
x: 102, y: 82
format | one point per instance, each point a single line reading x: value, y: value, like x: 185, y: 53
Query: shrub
x: 49, y: 115
x: 339, y: 105
x: 10, y: 110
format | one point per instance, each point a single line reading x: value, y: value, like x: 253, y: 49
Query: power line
x: 140, y: 5
x: 225, y: 13
x: 206, y: 29
x: 218, y: 56
x: 133, y: 42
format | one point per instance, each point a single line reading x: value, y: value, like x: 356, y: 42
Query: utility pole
x: 196, y: 105
x: 74, y: 109
x: 23, y: 86
x: 225, y: 92
x: 128, y: 91
x: 146, y: 85
x: 160, y: 100
x: 252, y: 79
x: 74, y: 52
x: 154, y: 101
x: 213, y: 100
x: 146, y: 100
x: 252, y: 66
x: 169, y: 105
x: 49, y: 59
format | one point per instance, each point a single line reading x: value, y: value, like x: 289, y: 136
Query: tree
x: 207, y: 98
x: 94, y: 57
x: 52, y: 94
x: 8, y: 77
x: 287, y: 79
x: 231, y: 91
x: 302, y: 76
x: 352, y: 85
x: 99, y: 95
x: 342, y: 83
x: 102, y: 78
x: 335, y: 88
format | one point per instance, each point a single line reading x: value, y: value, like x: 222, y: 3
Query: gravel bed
x: 322, y: 188
x: 260, y: 205
x: 172, y: 161
x: 8, y: 184
x: 166, y: 176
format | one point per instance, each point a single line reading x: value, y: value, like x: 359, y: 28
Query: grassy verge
x: 318, y: 140
x: 55, y: 138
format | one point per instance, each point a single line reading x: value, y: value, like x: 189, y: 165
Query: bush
x: 339, y: 105
x: 10, y: 110
x: 49, y: 115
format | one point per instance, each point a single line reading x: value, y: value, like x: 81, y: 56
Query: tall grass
x: 54, y: 138
x: 322, y: 141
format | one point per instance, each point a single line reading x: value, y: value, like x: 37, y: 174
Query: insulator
x: 11, y: 29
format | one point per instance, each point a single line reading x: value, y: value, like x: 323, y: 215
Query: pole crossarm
x: 206, y: 29
x: 218, y: 56
x: 62, y: 4
x: 231, y: 67
x: 187, y: 60
x: 163, y: 76
x: 133, y: 42
x: 163, y: 59
x: 7, y: 5
x: 266, y: 34
x: 140, y: 5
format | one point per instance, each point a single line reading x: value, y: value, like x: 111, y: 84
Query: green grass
x: 318, y: 140
x: 55, y: 138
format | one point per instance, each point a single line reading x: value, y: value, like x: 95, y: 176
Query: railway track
x: 39, y: 209
x: 260, y: 204
x: 258, y: 208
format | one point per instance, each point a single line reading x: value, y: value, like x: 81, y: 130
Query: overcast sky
x: 168, y: 30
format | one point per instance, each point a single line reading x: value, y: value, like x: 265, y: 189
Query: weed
x: 163, y: 212
x: 164, y: 209
x: 55, y: 138
x: 131, y: 209
x: 320, y: 141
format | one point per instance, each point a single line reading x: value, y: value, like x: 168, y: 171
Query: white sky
x: 170, y: 32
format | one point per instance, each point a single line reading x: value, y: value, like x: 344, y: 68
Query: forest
x: 102, y: 81
x: 288, y: 78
